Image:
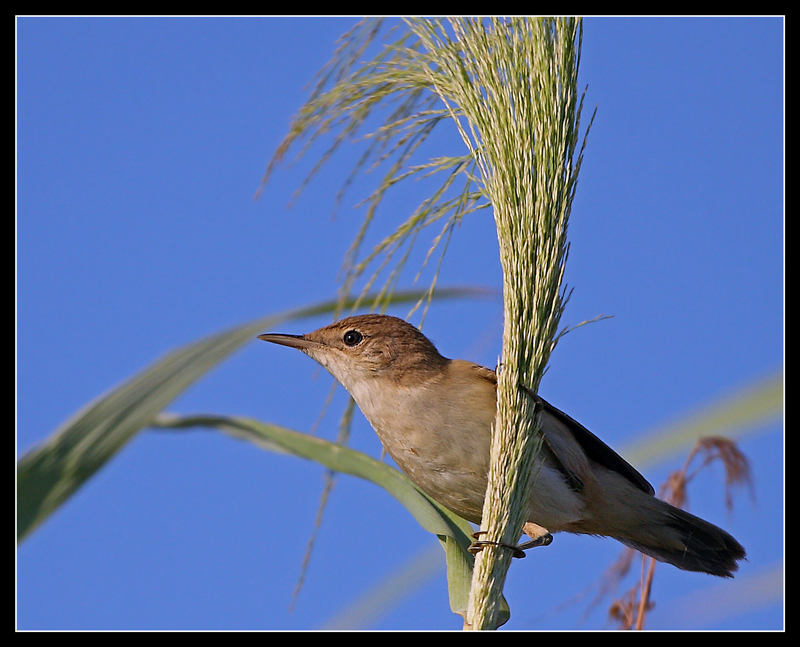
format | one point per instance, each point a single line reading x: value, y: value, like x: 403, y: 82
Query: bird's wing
x: 571, y: 445
x: 562, y: 432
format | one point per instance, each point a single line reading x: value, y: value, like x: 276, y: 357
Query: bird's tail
x: 658, y: 529
x: 679, y: 538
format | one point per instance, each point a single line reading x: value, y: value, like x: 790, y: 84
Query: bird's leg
x: 544, y: 540
x: 539, y: 536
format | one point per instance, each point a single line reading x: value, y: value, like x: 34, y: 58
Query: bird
x: 434, y: 417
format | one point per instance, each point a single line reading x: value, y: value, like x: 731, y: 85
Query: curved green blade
x: 453, y: 531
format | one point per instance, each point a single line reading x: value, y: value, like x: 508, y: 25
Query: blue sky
x: 140, y: 146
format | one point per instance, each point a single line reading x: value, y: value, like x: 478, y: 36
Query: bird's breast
x: 441, y: 443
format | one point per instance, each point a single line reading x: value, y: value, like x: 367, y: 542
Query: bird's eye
x: 352, y: 337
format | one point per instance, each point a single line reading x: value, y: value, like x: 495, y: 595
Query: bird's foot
x: 518, y: 551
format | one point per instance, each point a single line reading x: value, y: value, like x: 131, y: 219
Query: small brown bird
x: 434, y: 416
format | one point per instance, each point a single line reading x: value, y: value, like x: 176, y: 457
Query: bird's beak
x: 293, y: 341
